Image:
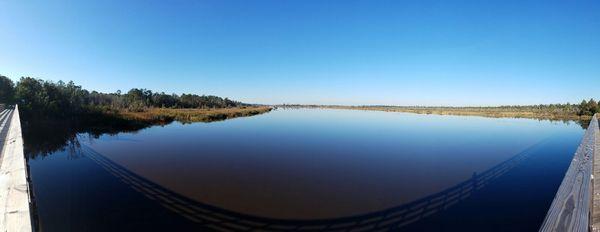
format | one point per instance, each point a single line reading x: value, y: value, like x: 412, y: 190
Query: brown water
x: 308, y: 167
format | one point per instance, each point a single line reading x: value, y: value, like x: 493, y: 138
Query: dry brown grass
x: 494, y: 112
x: 158, y: 115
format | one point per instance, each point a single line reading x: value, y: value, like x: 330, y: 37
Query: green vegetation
x: 588, y: 107
x: 7, y: 90
x: 41, y: 99
x: 59, y: 99
x: 66, y: 110
x: 55, y: 114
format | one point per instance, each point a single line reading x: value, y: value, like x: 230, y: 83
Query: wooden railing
x: 571, y: 209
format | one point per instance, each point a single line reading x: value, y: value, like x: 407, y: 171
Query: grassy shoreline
x: 165, y: 115
x: 44, y: 136
x: 490, y: 112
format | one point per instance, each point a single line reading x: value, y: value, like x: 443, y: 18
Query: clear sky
x: 313, y: 52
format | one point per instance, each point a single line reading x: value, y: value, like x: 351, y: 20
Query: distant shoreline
x: 490, y: 112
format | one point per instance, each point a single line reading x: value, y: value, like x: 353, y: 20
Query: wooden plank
x: 571, y: 207
x: 596, y: 188
x: 14, y: 189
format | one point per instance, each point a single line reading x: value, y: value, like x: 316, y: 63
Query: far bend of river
x: 303, y: 168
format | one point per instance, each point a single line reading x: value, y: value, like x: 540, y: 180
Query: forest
x: 46, y: 99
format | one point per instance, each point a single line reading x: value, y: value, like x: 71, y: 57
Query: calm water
x: 309, y: 168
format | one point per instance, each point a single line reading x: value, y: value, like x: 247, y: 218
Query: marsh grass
x: 492, y: 112
x: 158, y: 115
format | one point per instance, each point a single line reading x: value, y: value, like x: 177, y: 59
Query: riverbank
x: 161, y: 115
x: 44, y: 136
x: 491, y: 112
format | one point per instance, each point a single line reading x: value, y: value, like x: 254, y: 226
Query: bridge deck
x: 577, y: 204
x: 14, y: 189
x: 596, y: 187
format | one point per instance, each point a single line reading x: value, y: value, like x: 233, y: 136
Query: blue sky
x: 313, y: 52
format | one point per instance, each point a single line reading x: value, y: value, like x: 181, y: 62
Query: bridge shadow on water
x: 393, y: 218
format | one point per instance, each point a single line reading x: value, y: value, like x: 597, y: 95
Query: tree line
x: 588, y: 107
x: 42, y: 98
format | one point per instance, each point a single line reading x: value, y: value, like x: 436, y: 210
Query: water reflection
x: 45, y: 138
x: 388, y: 170
x: 384, y: 220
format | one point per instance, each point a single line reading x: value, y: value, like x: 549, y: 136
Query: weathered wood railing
x: 572, y: 208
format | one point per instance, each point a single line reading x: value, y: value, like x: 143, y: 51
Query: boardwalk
x: 571, y: 208
x: 14, y: 189
x: 595, y: 214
